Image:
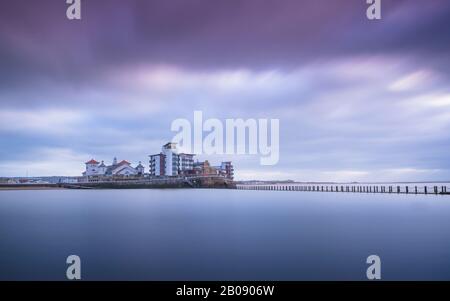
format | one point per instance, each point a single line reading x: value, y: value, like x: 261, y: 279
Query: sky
x: 357, y: 100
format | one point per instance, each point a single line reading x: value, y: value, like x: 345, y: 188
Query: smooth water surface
x: 189, y: 234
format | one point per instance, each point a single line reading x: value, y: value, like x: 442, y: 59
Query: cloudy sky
x: 357, y: 100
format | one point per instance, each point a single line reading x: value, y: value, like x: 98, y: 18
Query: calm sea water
x: 222, y: 235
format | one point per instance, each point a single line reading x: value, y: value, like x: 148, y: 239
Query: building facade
x: 186, y: 162
x: 169, y: 162
x: 157, y: 165
x: 122, y: 168
x: 226, y: 169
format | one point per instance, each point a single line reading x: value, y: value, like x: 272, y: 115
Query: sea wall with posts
x: 404, y: 188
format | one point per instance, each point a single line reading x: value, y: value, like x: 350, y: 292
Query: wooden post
x: 425, y: 190
x: 415, y: 189
x: 407, y: 189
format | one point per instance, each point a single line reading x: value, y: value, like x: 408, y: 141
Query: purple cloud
x: 357, y: 99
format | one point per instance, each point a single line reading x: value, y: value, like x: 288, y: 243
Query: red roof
x: 124, y: 162
x: 92, y: 162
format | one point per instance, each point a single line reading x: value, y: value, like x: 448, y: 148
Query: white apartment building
x: 169, y: 162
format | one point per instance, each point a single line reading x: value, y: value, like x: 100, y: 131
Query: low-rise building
x: 226, y: 169
x: 123, y: 168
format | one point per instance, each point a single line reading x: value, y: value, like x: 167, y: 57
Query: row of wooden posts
x: 351, y: 188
